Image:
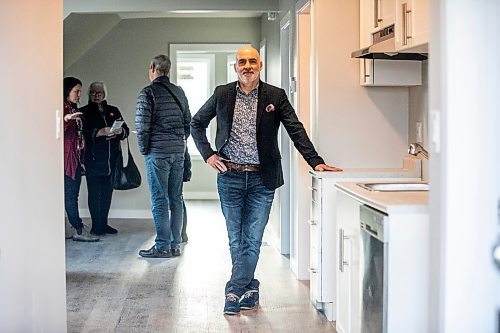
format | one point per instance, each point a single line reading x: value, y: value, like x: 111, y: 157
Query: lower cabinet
x: 348, y: 303
x: 322, y: 246
x: 324, y: 226
x: 394, y: 272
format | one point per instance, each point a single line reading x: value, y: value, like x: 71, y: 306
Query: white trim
x: 197, y: 48
x: 302, y: 5
x: 122, y: 213
x: 285, y: 21
x: 274, y: 239
x: 146, y: 213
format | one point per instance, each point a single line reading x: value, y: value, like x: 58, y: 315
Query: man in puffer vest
x: 162, y: 123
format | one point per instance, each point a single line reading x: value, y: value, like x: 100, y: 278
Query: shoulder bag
x: 125, y: 177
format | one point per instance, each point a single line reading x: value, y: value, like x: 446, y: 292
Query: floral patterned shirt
x: 241, y: 147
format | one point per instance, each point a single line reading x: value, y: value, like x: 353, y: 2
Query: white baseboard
x: 274, y: 240
x: 146, y: 213
x: 123, y: 213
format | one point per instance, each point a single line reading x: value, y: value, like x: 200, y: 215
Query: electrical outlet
x: 419, y: 137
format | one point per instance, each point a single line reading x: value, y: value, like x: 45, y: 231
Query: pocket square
x: 270, y: 108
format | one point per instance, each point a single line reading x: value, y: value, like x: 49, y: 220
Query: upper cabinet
x: 393, y: 41
x: 412, y: 25
x: 375, y: 15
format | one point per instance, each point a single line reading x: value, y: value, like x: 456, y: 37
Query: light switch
x: 58, y: 124
x: 419, y: 138
x: 293, y: 85
x: 435, y: 116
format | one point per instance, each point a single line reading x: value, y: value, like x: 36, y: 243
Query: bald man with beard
x: 249, y: 113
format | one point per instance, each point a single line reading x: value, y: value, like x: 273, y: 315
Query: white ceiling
x: 160, y: 8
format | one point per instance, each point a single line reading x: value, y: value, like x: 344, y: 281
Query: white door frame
x: 198, y: 48
x: 464, y: 165
x: 286, y: 233
x: 300, y: 178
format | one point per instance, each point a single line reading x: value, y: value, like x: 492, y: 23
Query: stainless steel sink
x: 390, y: 187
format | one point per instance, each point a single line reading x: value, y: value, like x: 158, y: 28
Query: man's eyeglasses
x: 96, y: 93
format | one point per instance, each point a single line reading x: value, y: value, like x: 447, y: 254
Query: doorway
x: 194, y: 69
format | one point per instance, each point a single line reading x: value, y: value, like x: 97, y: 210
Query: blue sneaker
x: 249, y: 300
x: 232, y: 304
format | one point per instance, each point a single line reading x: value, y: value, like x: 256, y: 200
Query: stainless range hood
x: 384, y: 47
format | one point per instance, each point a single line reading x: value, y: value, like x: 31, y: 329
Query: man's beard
x: 249, y: 79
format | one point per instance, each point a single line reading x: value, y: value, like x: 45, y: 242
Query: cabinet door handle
x: 365, y: 75
x: 406, y: 23
x: 313, y: 222
x: 375, y: 13
x: 312, y: 270
x: 404, y: 33
x: 342, y: 238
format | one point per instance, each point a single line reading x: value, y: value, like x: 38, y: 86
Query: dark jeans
x: 184, y: 222
x: 165, y: 184
x: 71, y: 193
x: 246, y: 204
x: 100, y: 193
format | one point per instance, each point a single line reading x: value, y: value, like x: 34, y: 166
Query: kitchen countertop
x: 396, y: 202
x: 412, y: 168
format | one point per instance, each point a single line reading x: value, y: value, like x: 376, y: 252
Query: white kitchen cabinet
x: 412, y: 25
x: 323, y: 226
x: 381, y: 72
x: 322, y: 246
x: 348, y: 286
x: 405, y: 261
x: 375, y: 15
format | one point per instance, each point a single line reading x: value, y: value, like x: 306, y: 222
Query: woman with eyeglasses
x: 103, y: 146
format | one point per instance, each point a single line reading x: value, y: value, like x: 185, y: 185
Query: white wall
x: 419, y: 112
x: 355, y: 126
x: 464, y: 166
x: 32, y: 272
x: 82, y: 31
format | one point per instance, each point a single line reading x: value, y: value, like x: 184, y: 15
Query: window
x: 194, y: 75
x: 193, y: 68
x: 231, y: 74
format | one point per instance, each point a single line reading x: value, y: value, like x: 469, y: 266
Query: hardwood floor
x: 111, y: 289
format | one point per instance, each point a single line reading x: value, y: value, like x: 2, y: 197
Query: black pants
x: 100, y: 193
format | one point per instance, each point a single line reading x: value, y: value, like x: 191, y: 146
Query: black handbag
x: 125, y: 177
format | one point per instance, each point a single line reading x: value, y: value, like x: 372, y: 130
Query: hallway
x: 111, y: 289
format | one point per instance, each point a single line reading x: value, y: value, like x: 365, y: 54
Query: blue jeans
x: 246, y: 204
x: 71, y: 193
x: 165, y: 186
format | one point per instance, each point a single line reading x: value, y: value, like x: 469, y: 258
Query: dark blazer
x: 273, y: 108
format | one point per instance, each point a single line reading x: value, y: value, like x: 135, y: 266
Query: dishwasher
x: 373, y: 265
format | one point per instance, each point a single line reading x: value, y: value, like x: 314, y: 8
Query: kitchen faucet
x: 415, y: 148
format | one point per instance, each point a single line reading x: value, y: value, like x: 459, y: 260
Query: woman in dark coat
x: 103, y: 145
x: 74, y: 146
